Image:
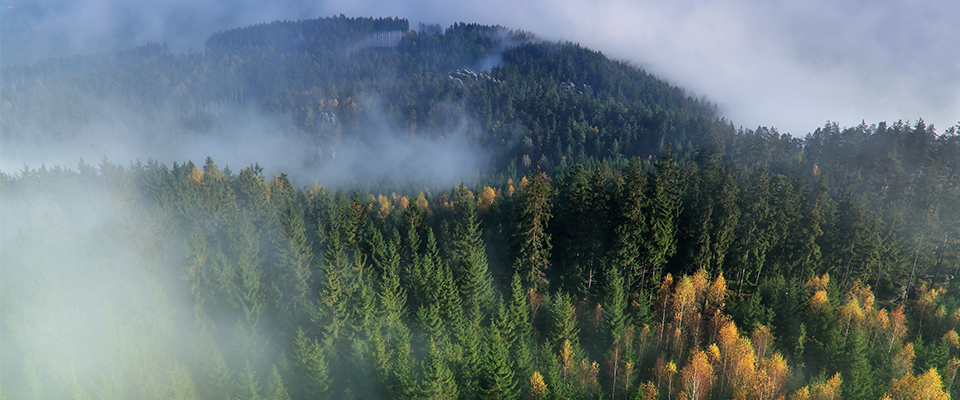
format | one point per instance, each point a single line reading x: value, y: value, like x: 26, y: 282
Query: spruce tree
x: 630, y: 232
x: 468, y: 257
x: 275, y: 388
x: 497, y: 379
x: 438, y: 381
x: 311, y: 365
x: 533, y: 218
x: 665, y: 206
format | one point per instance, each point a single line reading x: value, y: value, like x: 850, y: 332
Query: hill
x: 617, y: 238
x: 337, y: 86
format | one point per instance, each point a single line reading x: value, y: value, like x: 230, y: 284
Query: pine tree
x: 571, y: 232
x: 665, y: 206
x: 727, y: 216
x: 613, y: 302
x: 534, y: 214
x: 630, y: 233
x: 469, y: 258
x: 438, y: 382
x: 296, y: 257
x: 497, y: 378
x: 251, y: 385
x: 400, y: 374
x: 470, y: 339
x: 393, y: 297
x: 312, y: 366
x: 335, y: 295
x: 275, y: 388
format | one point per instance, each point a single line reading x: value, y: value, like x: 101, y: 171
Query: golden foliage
x: 487, y: 196
x: 801, y: 394
x: 523, y: 183
x: 648, y: 391
x: 700, y: 280
x: 697, y: 376
x: 717, y: 321
x: 713, y: 354
x: 898, y: 327
x: 196, y: 175
x: 538, y: 388
x: 404, y: 203
x: 818, y: 300
x: 728, y: 337
x: 761, y: 338
x: 951, y: 339
x: 826, y: 390
x: 851, y: 313
x: 881, y: 321
x: 773, y: 377
x: 941, y: 312
x: 684, y: 299
x: 744, y: 364
x: 927, y: 386
x: 422, y: 202
x: 385, y: 206
x: 817, y: 284
x: 902, y: 363
x: 718, y: 292
x: 589, y: 372
x: 663, y: 370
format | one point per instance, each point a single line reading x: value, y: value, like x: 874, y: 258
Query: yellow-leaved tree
x: 697, y: 376
x: 927, y: 386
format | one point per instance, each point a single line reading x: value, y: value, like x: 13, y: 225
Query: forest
x: 624, y: 241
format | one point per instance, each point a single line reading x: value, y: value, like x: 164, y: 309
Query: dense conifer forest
x: 622, y: 240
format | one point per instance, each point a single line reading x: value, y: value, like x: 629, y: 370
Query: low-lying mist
x: 241, y: 136
x: 84, y: 307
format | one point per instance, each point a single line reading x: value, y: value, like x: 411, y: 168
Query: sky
x: 792, y: 65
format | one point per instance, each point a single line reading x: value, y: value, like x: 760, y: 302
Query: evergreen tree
x: 534, y: 214
x: 311, y: 364
x: 630, y: 249
x: 665, y: 206
x: 498, y: 379
x: 469, y: 257
x: 275, y: 388
x: 438, y: 382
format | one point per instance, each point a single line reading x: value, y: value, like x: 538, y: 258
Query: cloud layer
x: 792, y: 65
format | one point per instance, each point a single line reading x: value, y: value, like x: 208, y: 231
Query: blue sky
x: 791, y: 64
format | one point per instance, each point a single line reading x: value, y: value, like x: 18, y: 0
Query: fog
x: 79, y: 291
x: 244, y: 136
x: 785, y: 64
x: 83, y: 294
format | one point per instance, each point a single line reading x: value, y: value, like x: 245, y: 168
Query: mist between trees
x: 617, y: 238
x: 659, y: 278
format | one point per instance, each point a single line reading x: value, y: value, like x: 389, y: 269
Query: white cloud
x: 789, y: 64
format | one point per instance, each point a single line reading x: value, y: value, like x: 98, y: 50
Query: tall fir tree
x: 533, y: 217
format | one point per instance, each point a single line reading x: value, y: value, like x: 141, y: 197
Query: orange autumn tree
x: 820, y: 390
x: 697, y: 377
x: 927, y: 386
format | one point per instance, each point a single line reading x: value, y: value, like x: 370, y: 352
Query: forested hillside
x: 623, y: 242
x: 523, y: 101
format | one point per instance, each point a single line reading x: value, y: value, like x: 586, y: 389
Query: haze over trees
x: 621, y: 241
